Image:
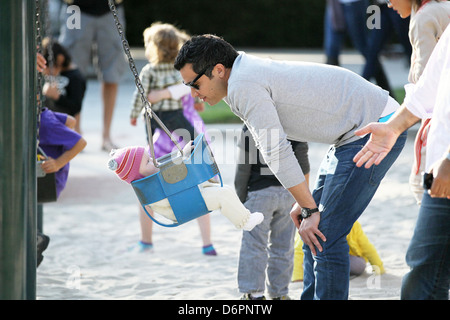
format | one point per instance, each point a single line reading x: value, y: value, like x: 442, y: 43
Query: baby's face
x: 147, y: 167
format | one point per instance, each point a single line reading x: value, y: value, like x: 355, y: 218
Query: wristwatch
x: 306, y: 212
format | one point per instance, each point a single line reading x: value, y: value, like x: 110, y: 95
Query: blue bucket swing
x: 178, y: 181
x: 178, y: 176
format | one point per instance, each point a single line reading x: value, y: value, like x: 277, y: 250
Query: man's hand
x: 308, y: 229
x: 380, y: 143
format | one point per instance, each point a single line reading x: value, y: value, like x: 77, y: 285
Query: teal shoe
x: 209, y: 250
x: 141, y: 247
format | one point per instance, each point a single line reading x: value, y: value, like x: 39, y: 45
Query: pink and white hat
x: 125, y: 162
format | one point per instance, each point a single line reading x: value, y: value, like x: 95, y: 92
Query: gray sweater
x: 280, y: 100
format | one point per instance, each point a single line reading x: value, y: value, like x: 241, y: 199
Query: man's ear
x: 219, y: 70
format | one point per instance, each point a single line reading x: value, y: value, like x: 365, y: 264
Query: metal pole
x: 17, y: 139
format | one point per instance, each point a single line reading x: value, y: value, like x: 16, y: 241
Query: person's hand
x: 133, y: 121
x: 51, y: 91
x: 41, y: 62
x: 156, y: 95
x: 295, y: 215
x: 381, y: 141
x: 440, y: 188
x: 308, y: 229
x: 50, y: 165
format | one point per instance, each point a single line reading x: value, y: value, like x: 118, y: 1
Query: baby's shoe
x: 254, y: 219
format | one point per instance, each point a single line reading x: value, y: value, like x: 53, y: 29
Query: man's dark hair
x: 205, y: 51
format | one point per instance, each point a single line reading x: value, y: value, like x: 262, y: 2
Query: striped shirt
x: 158, y: 76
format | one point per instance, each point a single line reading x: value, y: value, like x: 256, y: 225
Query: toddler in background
x: 65, y: 86
x: 162, y: 43
x: 361, y: 252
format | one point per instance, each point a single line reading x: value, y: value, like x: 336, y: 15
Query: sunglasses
x: 192, y: 83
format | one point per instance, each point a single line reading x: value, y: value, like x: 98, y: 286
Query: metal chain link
x: 40, y: 97
x: 149, y: 113
x: 39, y: 75
x: 51, y: 60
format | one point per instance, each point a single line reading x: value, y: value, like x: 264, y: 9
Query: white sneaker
x: 255, y: 219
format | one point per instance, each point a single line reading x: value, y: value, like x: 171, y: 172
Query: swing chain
x: 40, y: 78
x: 40, y: 97
x: 149, y: 113
x: 39, y: 50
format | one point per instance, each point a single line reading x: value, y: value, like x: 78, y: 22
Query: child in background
x: 361, y: 252
x: 60, y: 143
x: 133, y: 163
x: 164, y: 145
x: 65, y: 85
x: 162, y: 43
x: 267, y: 250
x: 173, y: 104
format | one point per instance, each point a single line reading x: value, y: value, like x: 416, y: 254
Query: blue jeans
x: 355, y: 20
x: 342, y: 191
x: 390, y: 22
x: 428, y: 254
x: 270, y: 245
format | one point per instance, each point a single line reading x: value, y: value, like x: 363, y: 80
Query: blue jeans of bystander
x: 428, y: 254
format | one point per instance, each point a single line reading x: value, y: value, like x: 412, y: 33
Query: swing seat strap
x: 188, y: 204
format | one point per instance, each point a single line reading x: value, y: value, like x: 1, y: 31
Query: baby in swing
x: 133, y: 163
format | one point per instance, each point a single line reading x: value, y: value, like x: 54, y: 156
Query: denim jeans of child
x: 428, y: 254
x: 270, y: 245
x: 342, y: 191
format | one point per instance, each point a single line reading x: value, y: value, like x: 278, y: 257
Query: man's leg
x: 344, y: 194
